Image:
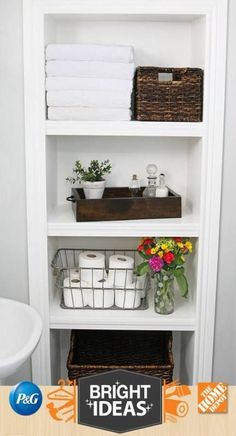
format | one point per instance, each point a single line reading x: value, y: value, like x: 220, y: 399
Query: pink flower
x: 156, y: 263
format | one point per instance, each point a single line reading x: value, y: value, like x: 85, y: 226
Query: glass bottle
x: 134, y: 186
x: 150, y: 190
x: 162, y: 190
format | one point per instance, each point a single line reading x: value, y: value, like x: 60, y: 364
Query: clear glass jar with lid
x: 150, y: 190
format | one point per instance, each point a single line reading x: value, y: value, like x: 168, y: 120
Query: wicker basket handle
x: 165, y: 77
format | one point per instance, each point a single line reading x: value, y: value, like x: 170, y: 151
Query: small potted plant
x: 92, y: 177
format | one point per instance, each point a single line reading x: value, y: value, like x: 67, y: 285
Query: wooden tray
x: 117, y: 204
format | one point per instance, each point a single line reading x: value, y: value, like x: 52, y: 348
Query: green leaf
x: 144, y: 256
x: 182, y: 284
x: 95, y: 171
x: 142, y: 269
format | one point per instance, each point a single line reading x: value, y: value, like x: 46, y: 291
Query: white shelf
x: 95, y: 13
x: 62, y: 223
x: 183, y: 318
x: 124, y: 128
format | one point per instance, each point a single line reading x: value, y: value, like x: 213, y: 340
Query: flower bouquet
x: 164, y: 258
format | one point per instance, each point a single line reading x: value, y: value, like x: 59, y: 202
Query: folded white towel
x: 77, y: 84
x: 88, y: 114
x: 90, y: 52
x: 89, y: 98
x: 90, y: 69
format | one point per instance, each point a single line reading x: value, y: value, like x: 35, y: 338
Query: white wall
x: 225, y: 350
x: 13, y: 249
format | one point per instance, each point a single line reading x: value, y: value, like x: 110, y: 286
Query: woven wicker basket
x: 92, y: 352
x: 168, y: 94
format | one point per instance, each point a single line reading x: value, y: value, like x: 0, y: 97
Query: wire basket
x: 103, y: 293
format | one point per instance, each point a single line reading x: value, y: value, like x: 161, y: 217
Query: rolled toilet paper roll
x: 121, y: 270
x: 101, y: 296
x: 73, y: 273
x: 73, y: 293
x: 140, y: 282
x: 92, y: 267
x: 129, y: 298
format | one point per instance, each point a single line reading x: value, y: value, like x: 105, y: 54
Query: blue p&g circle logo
x: 25, y: 398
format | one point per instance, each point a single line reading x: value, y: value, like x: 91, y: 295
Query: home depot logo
x: 212, y: 397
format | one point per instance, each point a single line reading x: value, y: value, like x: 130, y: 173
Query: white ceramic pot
x: 93, y: 190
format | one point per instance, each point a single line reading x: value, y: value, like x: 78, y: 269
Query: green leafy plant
x: 93, y: 173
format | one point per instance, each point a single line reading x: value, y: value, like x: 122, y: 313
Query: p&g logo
x: 25, y: 398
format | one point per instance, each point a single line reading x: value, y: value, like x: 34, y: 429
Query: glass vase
x: 164, y: 293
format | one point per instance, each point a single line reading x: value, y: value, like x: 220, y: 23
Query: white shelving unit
x: 163, y: 33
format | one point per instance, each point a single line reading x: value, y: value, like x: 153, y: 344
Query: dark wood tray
x: 117, y: 204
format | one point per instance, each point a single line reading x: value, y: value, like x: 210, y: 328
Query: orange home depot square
x: 212, y: 397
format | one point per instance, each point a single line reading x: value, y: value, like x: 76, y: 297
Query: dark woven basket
x: 177, y: 99
x: 147, y: 352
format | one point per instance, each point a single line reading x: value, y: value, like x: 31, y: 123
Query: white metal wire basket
x: 103, y: 293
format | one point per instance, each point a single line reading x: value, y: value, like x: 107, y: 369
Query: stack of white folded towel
x: 89, y: 82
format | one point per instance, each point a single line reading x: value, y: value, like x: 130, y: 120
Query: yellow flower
x: 180, y: 244
x: 164, y: 246
x: 189, y: 246
x: 160, y: 253
x: 153, y: 250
